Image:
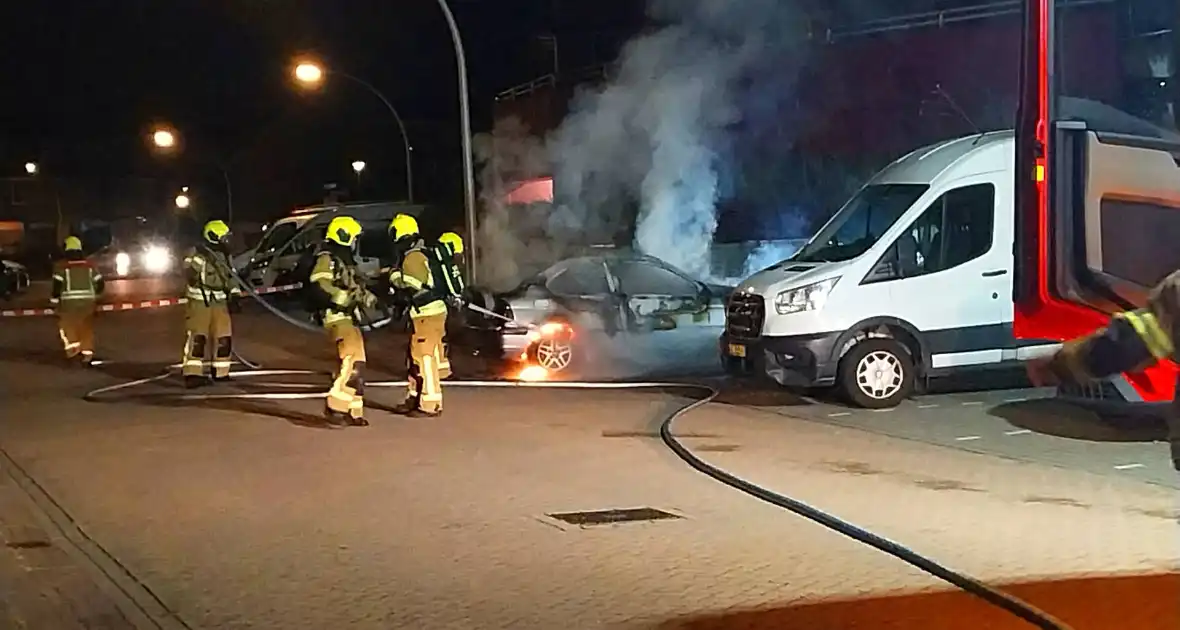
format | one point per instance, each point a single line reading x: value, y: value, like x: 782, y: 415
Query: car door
x: 580, y: 290
x: 948, y: 275
x: 656, y: 296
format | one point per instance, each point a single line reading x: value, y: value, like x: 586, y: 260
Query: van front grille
x: 744, y: 316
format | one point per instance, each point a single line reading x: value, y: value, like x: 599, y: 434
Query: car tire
x: 877, y: 373
x: 556, y: 355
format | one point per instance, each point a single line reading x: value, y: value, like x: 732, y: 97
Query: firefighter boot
x: 418, y: 413
x: 336, y: 418
x: 358, y: 421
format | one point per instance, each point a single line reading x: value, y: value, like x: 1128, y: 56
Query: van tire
x: 877, y: 354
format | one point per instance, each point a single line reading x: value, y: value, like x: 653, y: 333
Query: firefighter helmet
x: 403, y: 225
x: 73, y: 244
x: 216, y: 231
x: 452, y: 241
x: 343, y: 231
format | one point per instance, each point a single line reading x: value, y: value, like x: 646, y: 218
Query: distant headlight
x: 157, y: 259
x: 809, y: 298
x: 122, y: 264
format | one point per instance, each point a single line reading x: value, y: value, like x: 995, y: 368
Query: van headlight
x: 806, y: 298
x: 157, y: 259
x: 122, y: 264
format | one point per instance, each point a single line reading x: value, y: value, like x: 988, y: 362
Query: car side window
x: 955, y: 229
x: 277, y: 237
x: 644, y: 278
x: 586, y: 277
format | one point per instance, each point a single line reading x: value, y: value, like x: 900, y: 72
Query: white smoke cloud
x: 642, y: 157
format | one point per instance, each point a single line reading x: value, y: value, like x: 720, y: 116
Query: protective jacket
x: 209, y: 277
x: 1131, y: 342
x: 339, y: 285
x: 76, y: 281
x: 414, y: 276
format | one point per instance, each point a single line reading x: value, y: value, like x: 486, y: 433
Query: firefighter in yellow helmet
x: 341, y: 292
x: 414, y: 279
x: 210, y: 288
x: 445, y: 263
x: 76, y: 287
x: 1131, y: 341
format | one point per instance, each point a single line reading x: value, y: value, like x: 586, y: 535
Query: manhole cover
x: 608, y: 517
x: 28, y: 544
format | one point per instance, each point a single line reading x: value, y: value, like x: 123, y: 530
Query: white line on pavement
x: 968, y: 438
x: 1018, y: 432
x: 972, y: 403
x: 927, y: 406
x: 1128, y: 466
x: 839, y: 414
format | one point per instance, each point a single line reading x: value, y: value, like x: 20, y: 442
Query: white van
x: 911, y: 279
x: 273, y: 259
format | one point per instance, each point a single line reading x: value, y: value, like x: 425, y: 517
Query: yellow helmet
x: 453, y: 241
x: 403, y: 225
x: 343, y: 231
x: 73, y: 244
x: 215, y: 231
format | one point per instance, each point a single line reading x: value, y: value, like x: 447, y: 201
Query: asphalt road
x: 149, y: 512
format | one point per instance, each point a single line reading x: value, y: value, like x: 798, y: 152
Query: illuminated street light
x: 182, y: 201
x: 31, y: 168
x: 164, y: 139
x: 358, y: 166
x: 309, y: 73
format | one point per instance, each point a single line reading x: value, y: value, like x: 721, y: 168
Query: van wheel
x: 877, y: 374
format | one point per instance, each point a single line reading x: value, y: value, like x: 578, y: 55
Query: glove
x: 456, y: 301
x: 234, y: 305
x: 368, y: 300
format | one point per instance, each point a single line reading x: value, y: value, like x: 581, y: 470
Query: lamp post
x: 31, y: 168
x: 311, y: 74
x: 166, y: 140
x: 183, y: 201
x: 465, y: 130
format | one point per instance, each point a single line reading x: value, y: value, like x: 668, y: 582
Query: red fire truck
x: 1098, y: 192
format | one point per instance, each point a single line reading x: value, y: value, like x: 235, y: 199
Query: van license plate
x: 737, y: 350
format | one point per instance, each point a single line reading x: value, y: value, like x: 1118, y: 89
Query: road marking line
x: 1019, y: 432
x: 972, y: 403
x: 882, y: 410
x: 967, y: 438
x: 838, y: 414
x: 927, y: 406
x: 1128, y: 466
x: 1016, y: 400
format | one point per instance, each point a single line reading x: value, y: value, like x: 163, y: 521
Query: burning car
x: 555, y: 314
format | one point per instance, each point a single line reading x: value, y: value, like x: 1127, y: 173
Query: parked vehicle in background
x: 14, y: 279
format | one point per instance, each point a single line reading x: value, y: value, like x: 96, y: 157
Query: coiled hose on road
x: 705, y: 394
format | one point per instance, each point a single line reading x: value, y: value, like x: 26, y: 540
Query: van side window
x: 957, y: 228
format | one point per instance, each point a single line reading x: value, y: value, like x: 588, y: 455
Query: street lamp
x: 163, y: 139
x: 31, y: 168
x: 311, y: 75
x: 358, y: 166
x: 182, y: 201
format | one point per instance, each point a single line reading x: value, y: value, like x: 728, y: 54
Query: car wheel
x: 555, y: 354
x: 877, y: 374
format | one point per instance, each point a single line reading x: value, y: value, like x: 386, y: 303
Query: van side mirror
x: 888, y: 268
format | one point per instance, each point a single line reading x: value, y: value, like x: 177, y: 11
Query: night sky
x: 83, y: 82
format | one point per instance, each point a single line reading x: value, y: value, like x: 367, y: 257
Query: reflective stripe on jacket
x: 209, y: 277
x: 414, y: 273
x: 76, y: 280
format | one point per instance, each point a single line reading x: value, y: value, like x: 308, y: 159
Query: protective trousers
x: 1174, y: 428
x: 75, y: 323
x: 444, y: 359
x: 348, y: 388
x: 424, y: 387
x: 208, y: 333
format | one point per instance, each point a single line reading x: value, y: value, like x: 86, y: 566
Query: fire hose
x: 704, y: 395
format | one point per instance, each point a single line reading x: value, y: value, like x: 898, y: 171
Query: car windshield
x: 861, y: 223
x: 277, y: 237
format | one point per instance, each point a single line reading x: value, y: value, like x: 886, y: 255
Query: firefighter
x: 76, y: 287
x: 413, y: 278
x: 341, y: 294
x: 1132, y: 341
x: 449, y: 247
x: 209, y: 292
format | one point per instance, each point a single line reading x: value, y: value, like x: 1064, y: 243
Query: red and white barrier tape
x: 135, y: 306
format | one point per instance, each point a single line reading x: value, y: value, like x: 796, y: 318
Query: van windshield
x: 277, y: 237
x: 861, y: 223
